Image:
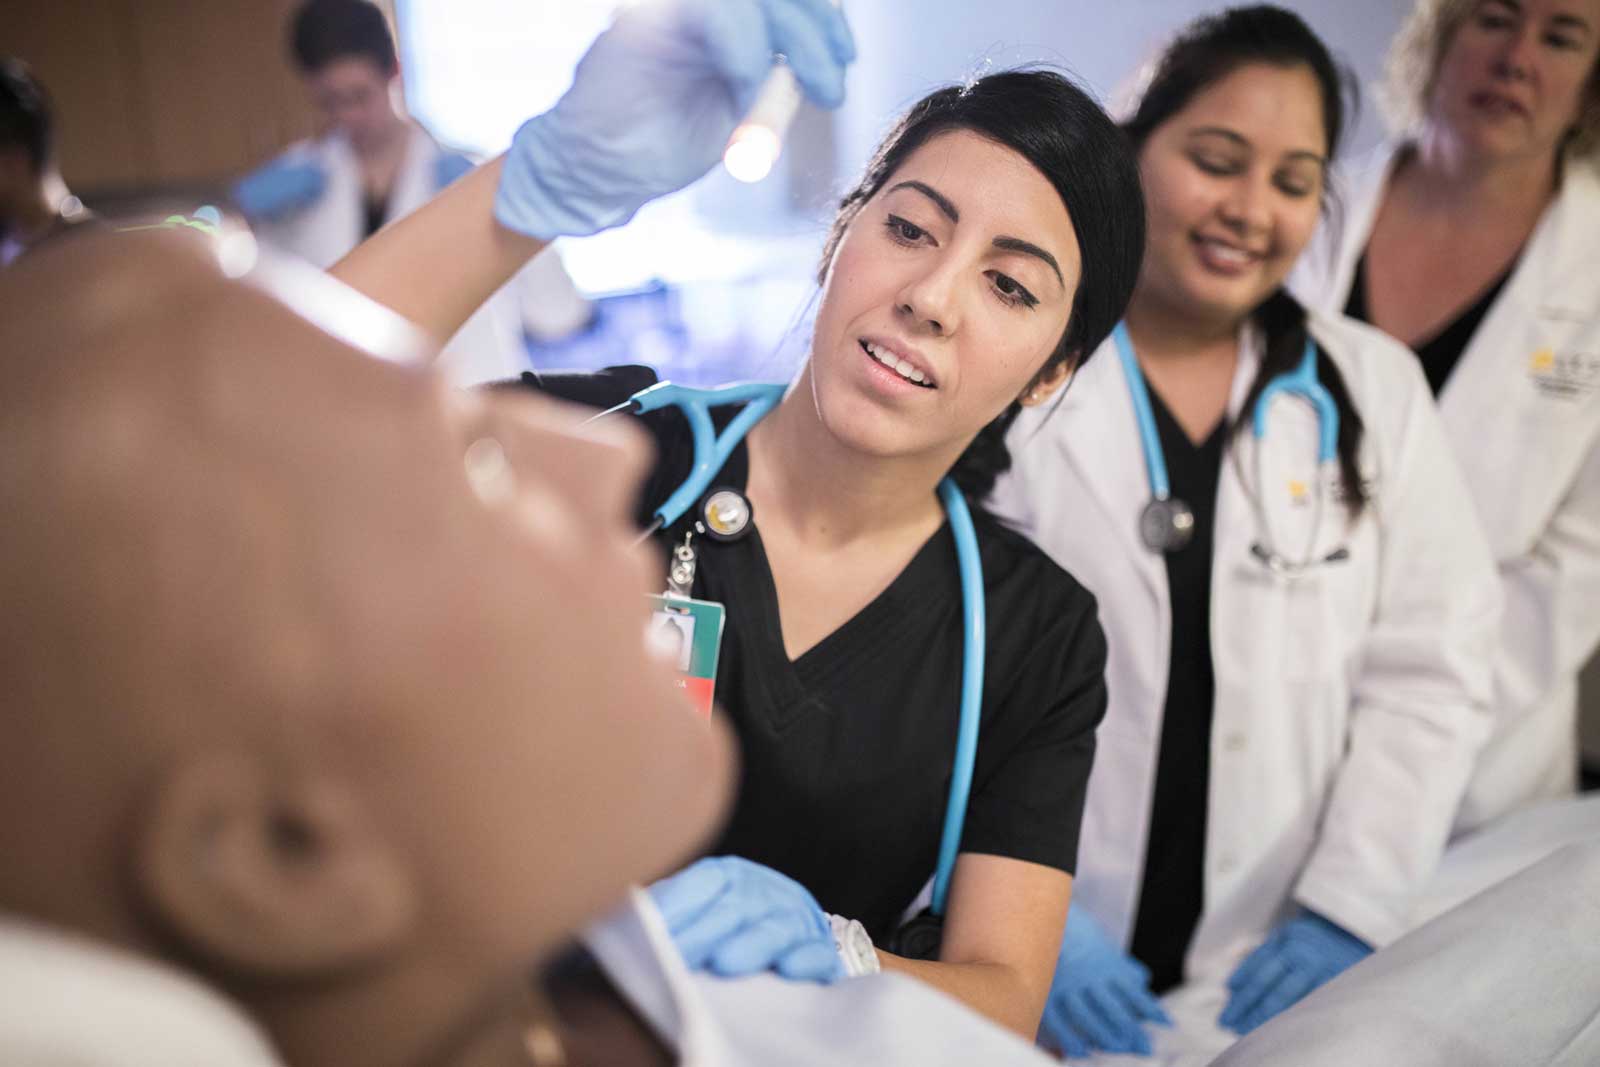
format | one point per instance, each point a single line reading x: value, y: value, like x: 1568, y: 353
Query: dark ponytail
x: 1282, y: 322
x: 1054, y: 125
x: 1208, y: 50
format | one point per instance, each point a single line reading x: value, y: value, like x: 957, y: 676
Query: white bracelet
x: 854, y: 945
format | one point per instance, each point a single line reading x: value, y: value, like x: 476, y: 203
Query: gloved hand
x: 733, y: 917
x: 449, y: 166
x: 1101, y: 996
x: 653, y: 103
x: 280, y: 188
x: 1296, y: 958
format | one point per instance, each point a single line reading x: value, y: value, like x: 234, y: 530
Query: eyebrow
x: 1005, y: 244
x: 940, y: 201
x: 1571, y: 22
x: 1028, y: 248
x: 1229, y: 135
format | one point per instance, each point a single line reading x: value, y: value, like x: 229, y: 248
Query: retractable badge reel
x: 688, y: 632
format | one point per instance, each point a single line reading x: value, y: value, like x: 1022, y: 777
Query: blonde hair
x: 1413, y: 65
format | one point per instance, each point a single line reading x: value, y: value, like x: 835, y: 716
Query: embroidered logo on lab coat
x: 1565, y: 375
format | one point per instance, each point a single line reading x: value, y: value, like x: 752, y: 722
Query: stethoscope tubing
x: 1155, y: 461
x: 711, y: 452
x: 1302, y: 383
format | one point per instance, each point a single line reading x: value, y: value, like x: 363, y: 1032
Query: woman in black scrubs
x: 991, y: 244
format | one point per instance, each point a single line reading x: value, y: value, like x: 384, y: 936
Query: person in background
x: 322, y: 197
x: 1474, y: 237
x: 35, y: 204
x: 1298, y: 670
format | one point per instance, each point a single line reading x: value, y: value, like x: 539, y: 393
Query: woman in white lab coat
x: 1475, y: 239
x: 373, y: 164
x: 1298, y: 693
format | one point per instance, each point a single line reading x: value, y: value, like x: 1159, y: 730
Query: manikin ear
x: 1047, y: 382
x: 268, y: 876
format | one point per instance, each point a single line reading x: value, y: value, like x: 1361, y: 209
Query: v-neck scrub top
x: 847, y: 752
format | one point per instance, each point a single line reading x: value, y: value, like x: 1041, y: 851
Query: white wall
x: 908, y: 48
x: 475, y: 68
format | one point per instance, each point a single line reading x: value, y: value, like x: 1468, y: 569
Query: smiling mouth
x: 1227, y: 256
x: 904, y: 369
x: 1494, y: 102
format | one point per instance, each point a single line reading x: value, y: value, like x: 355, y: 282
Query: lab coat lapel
x: 415, y: 182
x: 1326, y: 270
x: 1533, y: 361
x: 334, y: 226
x: 1100, y: 439
x: 1232, y: 636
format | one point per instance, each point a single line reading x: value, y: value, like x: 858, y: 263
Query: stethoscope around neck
x: 1166, y: 524
x: 727, y: 518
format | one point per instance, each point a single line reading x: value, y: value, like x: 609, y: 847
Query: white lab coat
x: 540, y: 299
x: 1350, y: 703
x: 1521, y: 411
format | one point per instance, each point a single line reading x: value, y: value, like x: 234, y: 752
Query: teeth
x: 1226, y: 254
x: 902, y: 367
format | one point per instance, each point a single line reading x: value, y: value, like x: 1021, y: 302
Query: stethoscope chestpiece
x: 725, y: 514
x: 1166, y: 524
x: 1288, y: 568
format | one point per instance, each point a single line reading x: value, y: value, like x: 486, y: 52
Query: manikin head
x: 324, y: 681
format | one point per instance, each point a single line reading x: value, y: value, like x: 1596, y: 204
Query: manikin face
x: 961, y: 272
x: 356, y: 98
x: 1513, y: 78
x: 346, y: 666
x: 1233, y: 185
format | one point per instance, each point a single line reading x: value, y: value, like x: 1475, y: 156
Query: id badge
x: 688, y: 634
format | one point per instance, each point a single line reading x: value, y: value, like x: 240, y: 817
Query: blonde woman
x: 1474, y: 238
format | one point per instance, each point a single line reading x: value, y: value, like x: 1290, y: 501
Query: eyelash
x: 1495, y: 21
x: 898, y: 228
x: 1228, y: 170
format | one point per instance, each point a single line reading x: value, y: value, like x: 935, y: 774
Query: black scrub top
x: 847, y: 752
x: 1440, y: 354
x: 1172, y: 893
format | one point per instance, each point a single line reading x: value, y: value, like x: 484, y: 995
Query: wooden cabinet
x: 154, y: 94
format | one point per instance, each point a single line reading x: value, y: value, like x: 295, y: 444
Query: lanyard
x: 712, y: 450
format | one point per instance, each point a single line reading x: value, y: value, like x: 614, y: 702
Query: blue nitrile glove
x: 653, y: 103
x: 448, y: 167
x: 1101, y: 996
x: 1296, y: 958
x: 733, y: 917
x: 280, y: 188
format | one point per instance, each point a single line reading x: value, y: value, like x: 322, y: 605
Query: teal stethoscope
x: 1166, y: 524
x: 725, y: 515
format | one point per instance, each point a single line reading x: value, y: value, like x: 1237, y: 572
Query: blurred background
x: 163, y: 104
x: 166, y: 102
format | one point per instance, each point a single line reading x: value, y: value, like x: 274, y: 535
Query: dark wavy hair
x: 327, y: 30
x: 1043, y: 117
x: 1205, y: 52
x: 26, y: 120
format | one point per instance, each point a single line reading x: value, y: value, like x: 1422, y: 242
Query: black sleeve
x: 596, y: 389
x: 1028, y: 796
x: 609, y: 388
